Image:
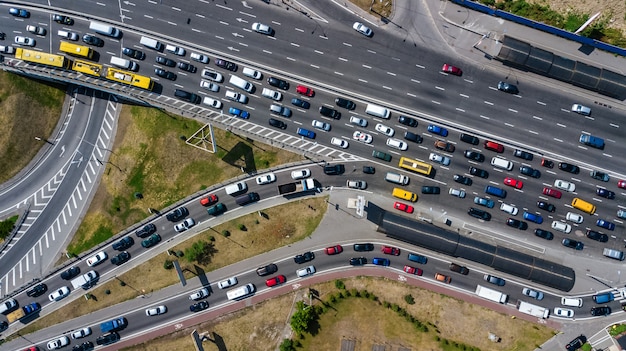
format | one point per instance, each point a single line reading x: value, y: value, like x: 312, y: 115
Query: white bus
x: 241, y: 292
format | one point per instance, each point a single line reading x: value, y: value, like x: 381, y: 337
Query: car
x: 97, y: 259
x: 434, y: 190
x: 361, y: 122
x: 569, y: 168
x: 133, y: 53
x: 277, y: 280
x: 209, y: 200
x: 358, y: 261
x: 363, y: 247
x: 544, y: 234
x: 442, y: 278
x: 227, y: 283
x: 301, y: 89
x: 480, y: 214
x: 305, y: 257
x: 85, y: 346
x: 4, y: 326
x: 199, y: 306
x: 36, y: 30
x: 334, y: 169
x: 621, y: 184
x: 120, y: 258
x: 123, y: 244
x: 390, y: 250
x: 600, y: 176
x: 537, y: 295
x: 20, y: 40
x: 523, y: 154
x: 19, y: 12
x: 151, y: 240
x: 547, y: 163
x: 457, y: 192
x: 462, y: 179
x: 155, y: 311
x: 407, y: 121
x: 164, y: 74
x: 277, y: 123
x: 413, y: 270
x: 184, y: 225
x: 109, y: 338
x: 345, y: 103
x: 58, y: 343
x: 563, y: 185
x: 605, y: 224
x: 60, y: 19
x: 226, y: 64
x: 581, y: 109
x: 93, y: 40
x: 417, y: 258
x: 146, y: 230
x: 267, y: 270
x: 512, y: 182
x: 552, y: 193
x: 37, y: 290
x: 356, y: 184
x: 378, y: 261
x: 199, y: 294
x: 81, y: 333
x: 369, y: 169
x: 561, y: 227
x: 303, y: 272
x: 413, y: 137
x: 472, y: 155
x: 362, y: 137
x: 546, y: 206
x: 573, y: 244
x: 446, y: 68
x: 277, y: 82
x: 280, y: 110
x: 178, y: 214
x: 600, y: 311
x: 329, y: 112
x: 381, y: 128
x: 444, y: 160
x: 529, y: 171
x: 70, y: 273
x: 300, y: 103
x: 397, y: 144
x: 516, y: 223
x: 262, y: 28
x: 459, y: 269
x: 403, y: 207
x: 478, y: 172
x: 507, y: 87
x: 333, y: 250
x: 7, y: 49
x: 577, y: 343
x: 363, y: 29
x: 597, y: 236
x: 266, y: 178
x: 574, y: 217
x: 493, y: 146
x: 320, y: 125
x: 484, y: 202
x: 212, y: 75
x: 437, y: 130
x: 199, y: 57
x: 494, y: 280
x: 59, y: 294
x: 239, y: 113
x: 300, y: 173
x: 535, y: 218
x: 187, y: 67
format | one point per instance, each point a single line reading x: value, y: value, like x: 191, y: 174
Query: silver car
x: 361, y: 28
x: 155, y: 311
x: 262, y: 28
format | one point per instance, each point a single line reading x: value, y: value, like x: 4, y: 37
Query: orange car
x: 442, y: 278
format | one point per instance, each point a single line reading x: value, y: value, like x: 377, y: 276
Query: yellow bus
x: 90, y: 68
x: 130, y: 78
x: 42, y: 58
x: 76, y: 50
x: 584, y: 206
x: 415, y: 166
x: 404, y: 194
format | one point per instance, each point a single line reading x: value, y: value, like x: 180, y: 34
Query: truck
x: 113, y: 325
x: 24, y: 311
x: 295, y: 187
x: 86, y: 280
x: 533, y: 310
x: 491, y: 294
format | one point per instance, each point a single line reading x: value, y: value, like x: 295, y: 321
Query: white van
x: 241, y: 83
x: 397, y: 178
x: 252, y: 73
x: 124, y: 63
x: 68, y: 35
x: 236, y: 188
x: 614, y: 254
x: 212, y: 102
x: 151, y: 43
x: 199, y: 57
x: 572, y: 302
x: 7, y: 305
x: 176, y: 50
x: 104, y: 29
x: 509, y: 209
x: 272, y: 94
x: 502, y: 163
x: 377, y: 111
x: 240, y: 292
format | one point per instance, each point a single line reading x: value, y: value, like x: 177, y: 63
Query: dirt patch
x: 613, y: 11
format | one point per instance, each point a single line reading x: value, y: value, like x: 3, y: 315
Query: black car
x: 123, y: 244
x: 569, y: 168
x: 576, y: 343
x: 37, y: 290
x: 515, y: 223
x: 187, y: 67
x: 86, y: 346
x: 474, y: 155
x: 462, y: 179
x: 470, y: 139
x: 162, y: 60
x: 478, y: 172
x: 601, y: 311
x: 363, y: 247
x: 507, y: 88
x: 345, y: 103
x: 593, y: 235
x: 430, y: 190
x: 358, y: 261
x: 107, y: 339
x: 93, y: 40
x: 151, y: 240
x: 334, y: 169
x: 459, y: 269
x: 165, y: 74
x: 369, y: 169
x: 305, y: 257
x: 480, y: 214
x: 2, y: 35
x: 267, y: 270
x: 413, y: 137
x: 546, y: 206
x: 133, y: 53
x: 279, y: 83
x: 544, y: 234
x: 573, y: 244
x: 177, y: 214
x: 146, y: 230
x: 407, y: 121
x: 120, y: 258
x: 3, y: 326
x: 226, y: 65
x: 329, y: 112
x: 277, y: 123
x: 600, y: 176
x: 605, y: 193
x: 70, y: 273
x: 529, y: 171
x: 300, y: 103
x: 63, y: 20
x: 200, y: 306
x: 523, y: 155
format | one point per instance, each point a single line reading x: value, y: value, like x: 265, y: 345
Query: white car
x: 305, y: 271
x: 439, y: 159
x: 266, y: 179
x: 356, y: 184
x: 563, y: 312
x: 262, y: 28
x: 176, y: 50
x: 24, y: 41
x: 231, y: 95
x: 381, y: 128
x: 184, y: 225
x: 301, y: 173
x: 574, y: 217
x: 457, y: 192
x: 362, y: 137
x: 155, y: 311
x: 361, y: 28
x: 339, y: 142
x: 512, y: 210
x: 538, y: 295
x: 97, y: 259
x: 320, y: 125
x: 36, y: 30
x: 81, y: 333
x: 227, y: 283
x: 561, y: 227
x: 59, y: 294
x: 7, y: 49
x: 361, y: 122
x: 200, y: 294
x: 209, y: 86
x: 397, y: 144
x: 212, y: 75
x: 199, y: 57
x: 58, y: 343
x: 563, y: 185
x: 581, y: 109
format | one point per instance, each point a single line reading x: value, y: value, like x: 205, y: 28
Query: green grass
x: 7, y: 226
x: 98, y: 236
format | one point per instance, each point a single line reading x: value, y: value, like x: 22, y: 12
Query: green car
x: 216, y: 210
x: 151, y: 240
x: 381, y: 155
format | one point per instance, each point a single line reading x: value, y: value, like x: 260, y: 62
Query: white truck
x: 533, y: 310
x: 86, y: 280
x: 491, y: 294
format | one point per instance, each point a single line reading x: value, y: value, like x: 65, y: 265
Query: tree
x: 287, y: 345
x: 302, y: 318
x: 201, y: 252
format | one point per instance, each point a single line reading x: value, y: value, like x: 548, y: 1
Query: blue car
x: 380, y: 261
x: 417, y: 258
x: 239, y: 113
x: 605, y: 224
x: 533, y: 217
x: 437, y: 130
x: 306, y: 133
x: 19, y: 12
x: 300, y: 103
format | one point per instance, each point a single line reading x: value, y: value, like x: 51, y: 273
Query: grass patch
x: 7, y: 226
x: 617, y: 329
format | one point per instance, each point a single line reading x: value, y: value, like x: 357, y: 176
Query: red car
x: 301, y: 89
x: 403, y: 207
x: 209, y: 200
x: 621, y: 184
x: 517, y: 184
x: 391, y: 250
x: 333, y: 250
x: 451, y: 69
x: 277, y: 280
x: 413, y: 270
x: 552, y: 192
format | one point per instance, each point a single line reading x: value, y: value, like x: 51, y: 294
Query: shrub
x: 107, y: 291
x: 168, y: 264
x: 332, y: 298
x: 211, y: 238
x: 409, y: 299
x: 122, y: 283
x: 354, y: 292
x: 242, y: 227
x: 287, y: 345
x: 225, y: 233
x: 395, y: 307
x: 339, y: 284
x: 386, y: 304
